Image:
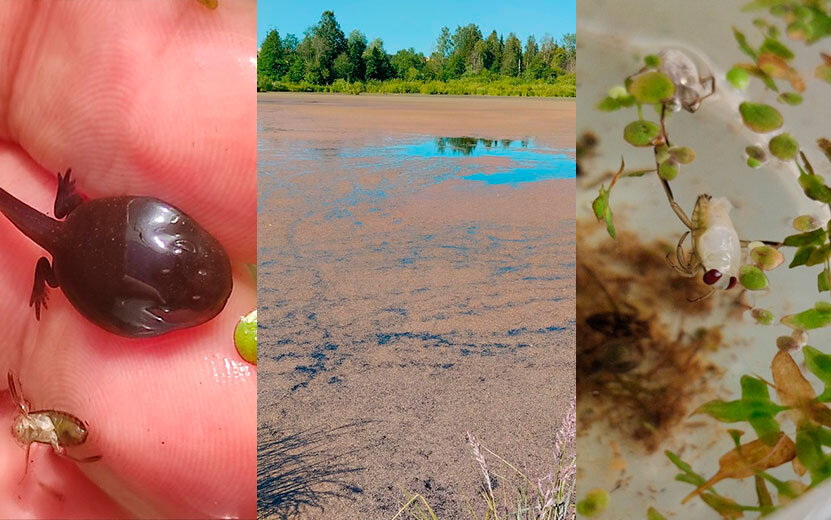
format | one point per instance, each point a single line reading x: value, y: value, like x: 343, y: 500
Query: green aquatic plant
x: 793, y: 426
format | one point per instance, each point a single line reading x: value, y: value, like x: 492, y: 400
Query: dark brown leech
x: 135, y: 266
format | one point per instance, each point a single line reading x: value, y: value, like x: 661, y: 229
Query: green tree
x: 355, y: 47
x: 322, y: 44
x: 531, y: 50
x: 464, y: 40
x: 377, y: 62
x: 341, y: 67
x: 569, y: 45
x: 493, y: 54
x: 407, y: 59
x: 271, y: 61
x: 477, y: 57
x: 512, y: 56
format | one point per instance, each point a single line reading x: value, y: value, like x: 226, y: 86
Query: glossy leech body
x: 135, y: 266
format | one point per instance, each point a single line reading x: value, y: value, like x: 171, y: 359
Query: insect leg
x: 703, y: 297
x: 675, y: 207
x: 770, y: 243
x: 17, y: 397
x: 26, y: 467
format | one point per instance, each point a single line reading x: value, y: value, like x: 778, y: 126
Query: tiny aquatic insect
x: 54, y: 427
x: 716, y: 248
x: 690, y: 88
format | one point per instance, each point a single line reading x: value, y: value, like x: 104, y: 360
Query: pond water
x: 411, y: 250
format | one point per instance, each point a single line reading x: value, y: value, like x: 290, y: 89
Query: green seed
x: 668, y: 169
x: 661, y: 153
x: 784, y: 146
x: 767, y: 258
x: 806, y: 223
x: 651, y: 87
x: 682, y: 154
x: 739, y: 78
x: 595, y: 502
x: 790, y: 98
x: 752, y: 278
x: 641, y: 133
x: 753, y: 163
x: 762, y: 316
x: 245, y: 337
x: 759, y: 117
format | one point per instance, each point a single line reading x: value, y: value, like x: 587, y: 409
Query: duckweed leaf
x: 774, y: 46
x: 683, y: 154
x: 752, y: 278
x: 687, y: 474
x: 603, y: 211
x: 759, y: 117
x: 245, y: 337
x: 810, y: 452
x: 762, y: 316
x: 767, y: 258
x: 823, y: 72
x: 823, y: 281
x: 743, y: 45
x: 816, y: 237
x: 651, y: 87
x: 820, y: 365
x: 801, y: 256
x: 784, y: 146
x: 641, y: 133
x: 653, y: 514
x: 825, y: 145
x: 790, y: 98
x: 652, y: 60
x: 818, y: 317
x: 596, y: 501
x: 806, y: 223
x: 747, y: 460
x: 668, y: 169
x: 814, y: 187
x: 738, y: 77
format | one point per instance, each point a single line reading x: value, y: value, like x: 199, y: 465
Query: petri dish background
x: 613, y: 39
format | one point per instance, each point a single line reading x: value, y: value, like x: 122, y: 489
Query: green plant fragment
x: 596, y: 501
x: 815, y: 318
x: 790, y: 98
x: 641, y: 133
x: 651, y: 87
x: 752, y: 278
x: 738, y: 77
x: 784, y: 146
x: 759, y: 117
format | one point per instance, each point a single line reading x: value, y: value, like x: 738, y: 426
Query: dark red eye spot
x: 712, y: 276
x: 732, y: 283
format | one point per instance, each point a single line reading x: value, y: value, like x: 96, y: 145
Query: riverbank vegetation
x: 464, y: 62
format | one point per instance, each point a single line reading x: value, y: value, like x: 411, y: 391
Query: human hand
x: 143, y: 99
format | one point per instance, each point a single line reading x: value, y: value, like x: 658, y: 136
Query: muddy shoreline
x: 397, y: 315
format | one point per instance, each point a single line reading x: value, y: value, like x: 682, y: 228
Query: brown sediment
x: 636, y: 371
x: 433, y: 310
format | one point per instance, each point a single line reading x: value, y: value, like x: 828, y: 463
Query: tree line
x: 326, y: 55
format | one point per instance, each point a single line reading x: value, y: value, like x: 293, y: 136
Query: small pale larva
x: 54, y: 427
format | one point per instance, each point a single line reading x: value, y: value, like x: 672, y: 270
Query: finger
x: 140, y: 98
x: 189, y: 389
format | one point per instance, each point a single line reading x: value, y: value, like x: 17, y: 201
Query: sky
x: 417, y: 23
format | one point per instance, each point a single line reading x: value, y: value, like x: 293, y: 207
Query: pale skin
x: 137, y: 98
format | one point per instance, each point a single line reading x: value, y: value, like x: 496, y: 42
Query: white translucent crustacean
x: 715, y: 239
x: 680, y: 69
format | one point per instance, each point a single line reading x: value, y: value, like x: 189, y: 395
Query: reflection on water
x: 503, y: 161
x: 469, y: 145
